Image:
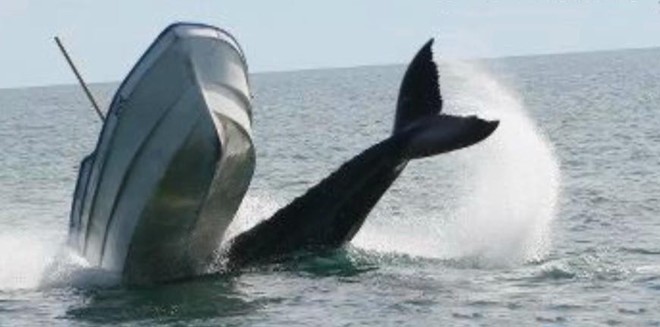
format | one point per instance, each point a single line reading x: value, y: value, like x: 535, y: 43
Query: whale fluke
x: 419, y: 106
x: 329, y: 214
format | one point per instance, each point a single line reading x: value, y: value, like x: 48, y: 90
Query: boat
x: 172, y: 162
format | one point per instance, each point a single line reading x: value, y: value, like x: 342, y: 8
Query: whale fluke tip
x: 419, y: 95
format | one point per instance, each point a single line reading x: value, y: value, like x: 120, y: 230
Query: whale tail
x: 329, y: 214
x: 418, y: 113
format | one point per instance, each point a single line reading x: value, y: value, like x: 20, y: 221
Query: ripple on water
x: 643, y: 251
x: 470, y: 316
x: 632, y: 311
x: 551, y: 320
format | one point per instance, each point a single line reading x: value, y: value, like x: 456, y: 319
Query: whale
x: 330, y: 213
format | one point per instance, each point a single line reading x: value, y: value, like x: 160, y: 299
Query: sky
x: 105, y: 38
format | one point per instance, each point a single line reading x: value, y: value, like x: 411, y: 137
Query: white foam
x: 42, y: 261
x: 69, y: 269
x: 23, y: 259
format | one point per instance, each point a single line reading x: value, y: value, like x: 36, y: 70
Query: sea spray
x: 507, y: 186
x: 68, y: 269
x: 42, y: 261
x: 23, y: 259
x: 256, y: 207
x: 514, y: 180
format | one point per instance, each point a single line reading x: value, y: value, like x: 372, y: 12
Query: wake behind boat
x: 173, y: 160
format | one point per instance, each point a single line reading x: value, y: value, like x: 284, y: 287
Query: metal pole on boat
x: 80, y: 80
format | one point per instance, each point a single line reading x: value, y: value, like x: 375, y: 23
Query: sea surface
x: 552, y: 221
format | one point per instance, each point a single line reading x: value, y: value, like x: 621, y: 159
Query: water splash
x: 30, y: 262
x: 256, y: 207
x: 515, y: 184
x: 69, y: 269
x: 509, y: 186
x: 23, y: 259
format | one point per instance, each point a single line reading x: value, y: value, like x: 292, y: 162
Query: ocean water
x: 552, y: 221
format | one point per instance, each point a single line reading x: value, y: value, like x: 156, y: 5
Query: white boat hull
x: 173, y: 161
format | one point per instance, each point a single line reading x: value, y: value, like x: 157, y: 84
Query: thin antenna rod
x: 80, y: 80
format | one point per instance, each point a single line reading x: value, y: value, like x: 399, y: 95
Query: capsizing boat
x: 172, y: 162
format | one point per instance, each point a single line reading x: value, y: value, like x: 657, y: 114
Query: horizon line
x: 305, y: 69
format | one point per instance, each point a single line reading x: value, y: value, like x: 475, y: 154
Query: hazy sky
x: 105, y: 38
